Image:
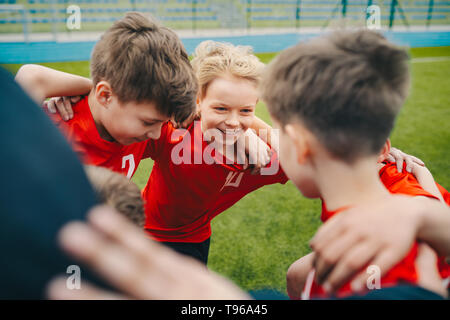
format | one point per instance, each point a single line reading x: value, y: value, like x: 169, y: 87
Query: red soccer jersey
x: 181, y: 199
x: 406, y: 183
x: 92, y: 149
x: 405, y: 270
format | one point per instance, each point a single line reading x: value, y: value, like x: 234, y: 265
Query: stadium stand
x: 17, y: 16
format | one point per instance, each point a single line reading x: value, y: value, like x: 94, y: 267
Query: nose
x: 232, y: 120
x: 155, y: 133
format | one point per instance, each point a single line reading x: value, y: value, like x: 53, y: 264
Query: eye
x: 247, y: 110
x: 147, y: 124
x: 220, y: 108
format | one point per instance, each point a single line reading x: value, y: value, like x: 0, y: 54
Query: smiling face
x: 228, y: 108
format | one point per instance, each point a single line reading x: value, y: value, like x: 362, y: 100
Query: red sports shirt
x: 92, y: 149
x: 405, y: 270
x: 182, y: 199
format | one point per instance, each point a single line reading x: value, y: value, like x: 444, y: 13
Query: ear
x: 300, y: 142
x: 385, y: 151
x: 103, y: 93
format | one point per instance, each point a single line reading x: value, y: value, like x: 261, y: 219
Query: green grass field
x: 255, y: 241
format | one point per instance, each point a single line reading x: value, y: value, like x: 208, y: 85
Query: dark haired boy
x: 335, y: 100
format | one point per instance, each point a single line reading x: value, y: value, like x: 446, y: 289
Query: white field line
x: 430, y: 59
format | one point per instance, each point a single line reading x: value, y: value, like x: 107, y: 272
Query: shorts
x: 195, y: 250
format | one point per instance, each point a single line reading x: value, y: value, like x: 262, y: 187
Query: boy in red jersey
x: 418, y: 182
x: 335, y: 100
x: 196, y: 174
x: 141, y: 78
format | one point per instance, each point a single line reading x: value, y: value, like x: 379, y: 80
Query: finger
x: 57, y: 290
x: 350, y: 265
x: 112, y: 261
x: 256, y: 169
x: 60, y: 106
x: 418, y: 161
x: 68, y: 107
x: 328, y: 232
x: 390, y: 158
x: 240, y: 153
x: 75, y: 99
x: 118, y: 228
x: 333, y: 253
x: 399, y: 165
x: 409, y: 164
x: 384, y: 261
x: 158, y: 272
x: 51, y: 106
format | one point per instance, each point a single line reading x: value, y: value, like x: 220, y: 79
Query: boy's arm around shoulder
x: 41, y: 82
x: 265, y: 132
x: 297, y: 274
x: 384, y: 238
x: 426, y: 180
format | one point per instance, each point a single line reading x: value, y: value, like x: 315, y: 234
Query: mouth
x: 231, y: 132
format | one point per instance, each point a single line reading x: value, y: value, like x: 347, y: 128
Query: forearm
x: 42, y: 82
x: 434, y: 225
x: 265, y: 132
x: 426, y: 181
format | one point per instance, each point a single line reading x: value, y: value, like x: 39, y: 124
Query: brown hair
x: 117, y: 191
x: 144, y: 61
x: 214, y: 59
x: 346, y: 88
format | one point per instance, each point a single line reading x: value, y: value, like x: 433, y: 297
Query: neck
x: 96, y: 111
x: 341, y: 184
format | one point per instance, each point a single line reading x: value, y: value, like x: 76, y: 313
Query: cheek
x: 210, y: 120
x: 130, y: 127
x: 247, y: 121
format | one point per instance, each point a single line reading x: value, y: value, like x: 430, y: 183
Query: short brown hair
x: 117, y: 191
x: 144, y: 61
x: 346, y: 88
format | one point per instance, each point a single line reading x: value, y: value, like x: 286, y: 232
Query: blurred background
x: 267, y: 25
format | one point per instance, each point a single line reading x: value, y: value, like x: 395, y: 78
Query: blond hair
x: 214, y: 59
x: 117, y: 191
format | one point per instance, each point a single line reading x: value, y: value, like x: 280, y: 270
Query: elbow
x: 28, y: 74
x: 29, y: 77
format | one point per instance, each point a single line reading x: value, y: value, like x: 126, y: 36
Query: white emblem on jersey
x: 130, y: 159
x: 233, y: 179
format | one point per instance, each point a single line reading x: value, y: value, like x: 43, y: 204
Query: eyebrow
x: 153, y: 120
x: 226, y: 105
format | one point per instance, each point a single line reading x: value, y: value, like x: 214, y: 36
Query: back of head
x: 117, y: 191
x: 146, y: 62
x: 346, y: 88
x: 214, y: 59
